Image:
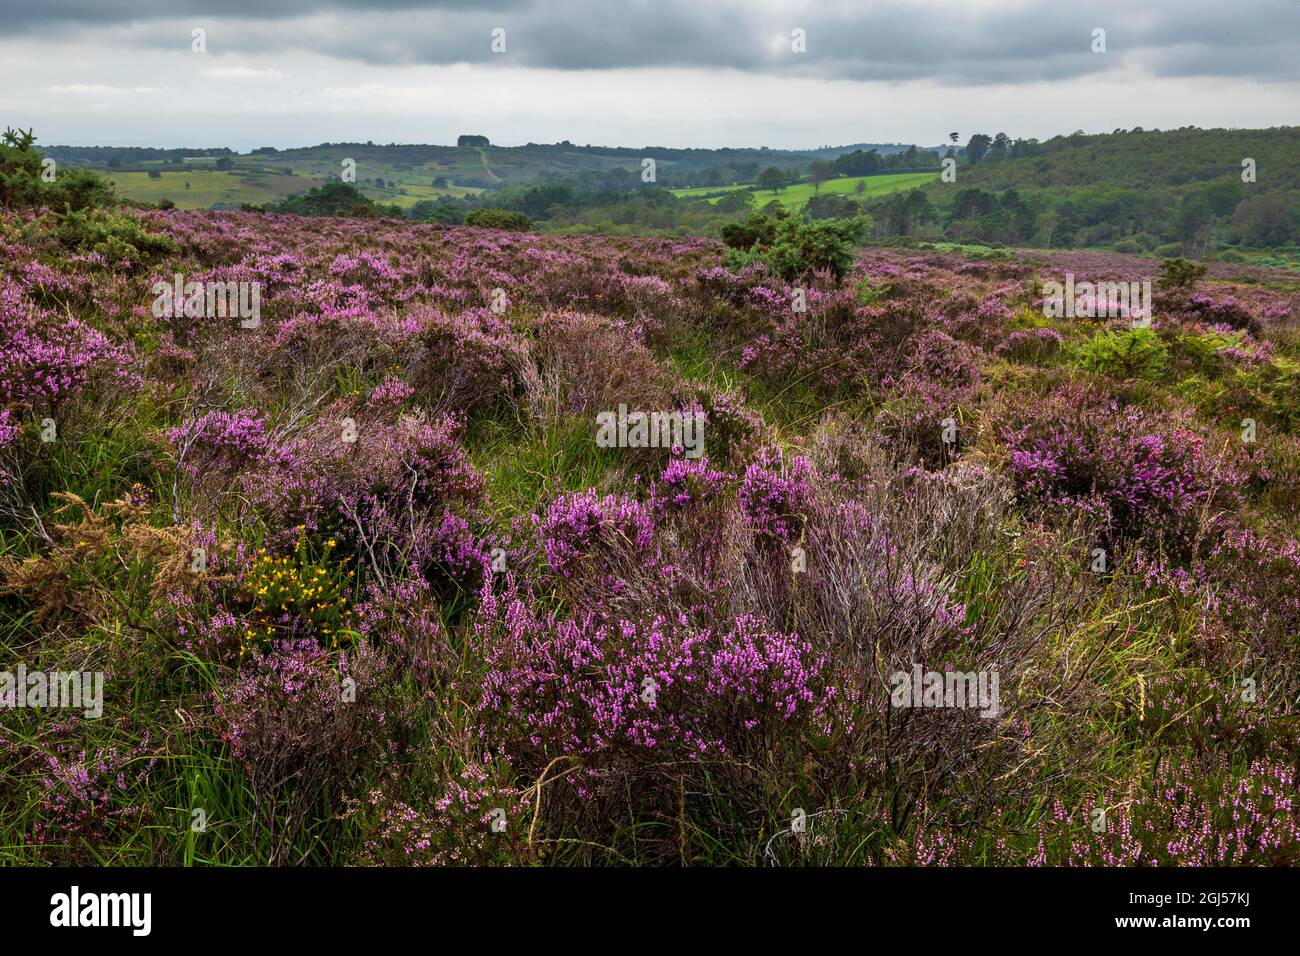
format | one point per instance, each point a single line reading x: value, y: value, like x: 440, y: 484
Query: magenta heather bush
x: 1139, y: 475
x: 590, y: 363
x: 86, y: 796
x: 455, y: 831
x: 1030, y: 345
x: 213, y: 448
x: 464, y: 361
x: 579, y: 526
x: 368, y: 490
x: 769, y: 675
x: 46, y: 359
x: 401, y: 620
x: 1226, y: 311
x: 629, y: 693
x: 389, y: 396
x: 775, y: 497
x: 449, y: 549
x: 287, y: 712
x: 941, y: 376
x: 685, y: 484
x: 734, y: 431
x: 835, y: 344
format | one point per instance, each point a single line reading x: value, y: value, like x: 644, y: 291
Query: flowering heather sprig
x: 390, y: 394
x: 775, y: 496
x: 1139, y: 475
x: 84, y: 794
x: 576, y: 525
x: 769, y: 674
x: 220, y: 441
x: 626, y: 691
x: 1030, y: 344
x: 687, y: 482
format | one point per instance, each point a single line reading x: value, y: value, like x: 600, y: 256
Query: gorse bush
x: 498, y: 219
x: 25, y: 183
x: 118, y: 237
x: 757, y: 230
x: 1180, y: 274
x: 296, y: 597
x: 1130, y: 353
x: 794, y: 250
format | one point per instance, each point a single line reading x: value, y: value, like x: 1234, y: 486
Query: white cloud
x: 99, y: 89
x: 240, y: 73
x: 337, y: 75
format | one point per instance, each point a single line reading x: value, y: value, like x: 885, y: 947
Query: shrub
x: 298, y: 596
x: 757, y: 230
x: 386, y: 495
x: 578, y: 527
x: 115, y: 236
x: 801, y: 249
x: 640, y: 700
x: 1030, y: 345
x: 22, y: 184
x: 499, y: 219
x: 1142, y: 476
x: 1131, y: 353
x: 464, y: 361
x: 301, y: 723
x: 1179, y: 273
x: 583, y: 364
x: 775, y: 497
x: 795, y: 250
x: 331, y: 199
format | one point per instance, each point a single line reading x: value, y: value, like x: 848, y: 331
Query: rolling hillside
x: 793, y: 197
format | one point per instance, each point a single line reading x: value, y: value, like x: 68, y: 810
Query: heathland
x: 364, y: 588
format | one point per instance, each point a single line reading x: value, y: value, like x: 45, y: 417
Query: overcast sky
x: 638, y: 72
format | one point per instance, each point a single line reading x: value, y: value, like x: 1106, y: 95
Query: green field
x: 202, y: 188
x: 260, y: 180
x: 793, y: 197
x: 269, y: 182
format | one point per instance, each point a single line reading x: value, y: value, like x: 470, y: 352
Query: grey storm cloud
x: 952, y: 42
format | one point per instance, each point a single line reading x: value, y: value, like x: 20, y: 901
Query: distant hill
x: 884, y: 149
x: 1142, y: 160
x: 1150, y: 190
x: 404, y: 174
